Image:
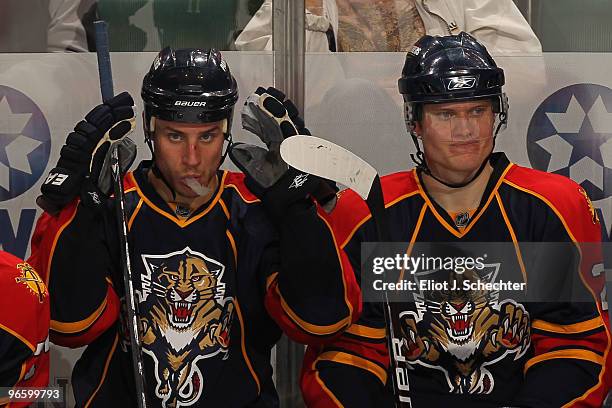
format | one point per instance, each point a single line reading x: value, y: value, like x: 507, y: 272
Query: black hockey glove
x: 271, y: 117
x: 79, y: 170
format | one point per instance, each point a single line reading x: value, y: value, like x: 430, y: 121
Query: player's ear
x: 418, y: 129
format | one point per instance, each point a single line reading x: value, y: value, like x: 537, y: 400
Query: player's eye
x: 207, y: 137
x: 175, y: 137
x: 444, y: 115
x: 478, y: 111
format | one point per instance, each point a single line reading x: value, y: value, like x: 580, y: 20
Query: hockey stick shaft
x: 376, y: 204
x: 104, y: 64
x: 106, y: 87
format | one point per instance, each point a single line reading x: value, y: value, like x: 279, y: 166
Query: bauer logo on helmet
x: 190, y: 103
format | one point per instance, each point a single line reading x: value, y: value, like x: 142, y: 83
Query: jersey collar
x: 500, y: 164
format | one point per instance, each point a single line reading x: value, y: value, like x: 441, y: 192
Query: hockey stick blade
x: 328, y: 160
x: 325, y: 159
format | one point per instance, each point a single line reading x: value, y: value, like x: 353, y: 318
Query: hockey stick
x: 106, y: 87
x: 325, y: 159
x: 328, y: 160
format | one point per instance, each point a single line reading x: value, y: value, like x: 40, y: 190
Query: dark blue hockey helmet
x: 453, y: 68
x: 189, y: 85
x: 448, y: 69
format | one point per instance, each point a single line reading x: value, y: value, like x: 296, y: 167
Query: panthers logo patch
x: 461, y: 332
x: 185, y: 317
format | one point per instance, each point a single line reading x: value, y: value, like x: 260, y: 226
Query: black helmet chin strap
x: 422, y: 166
x: 160, y: 176
x: 421, y: 162
x: 154, y: 167
x: 230, y: 142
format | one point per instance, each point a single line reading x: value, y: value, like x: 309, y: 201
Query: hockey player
x: 470, y: 347
x: 24, y: 328
x: 213, y: 290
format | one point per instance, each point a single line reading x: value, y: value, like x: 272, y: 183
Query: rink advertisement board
x: 560, y: 120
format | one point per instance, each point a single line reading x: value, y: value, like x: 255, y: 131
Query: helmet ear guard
x: 501, y: 120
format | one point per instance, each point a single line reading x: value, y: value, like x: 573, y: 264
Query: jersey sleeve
x: 351, y: 369
x: 314, y: 296
x: 13, y: 355
x: 570, y: 338
x: 24, y: 326
x: 20, y: 366
x: 71, y: 250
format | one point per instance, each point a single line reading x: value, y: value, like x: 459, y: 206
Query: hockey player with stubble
x: 470, y: 348
x: 218, y: 272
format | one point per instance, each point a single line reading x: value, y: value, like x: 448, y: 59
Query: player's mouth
x: 187, y: 177
x: 472, y: 148
x: 470, y: 143
x: 193, y: 183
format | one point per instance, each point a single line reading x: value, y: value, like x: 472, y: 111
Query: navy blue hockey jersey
x: 487, y: 346
x: 213, y: 293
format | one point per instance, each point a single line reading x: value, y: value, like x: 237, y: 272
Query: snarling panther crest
x: 185, y: 317
x: 469, y: 328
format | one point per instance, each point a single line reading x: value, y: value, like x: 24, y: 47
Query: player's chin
x: 466, y: 163
x: 468, y: 154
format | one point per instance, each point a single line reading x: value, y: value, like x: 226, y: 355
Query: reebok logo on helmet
x: 463, y: 82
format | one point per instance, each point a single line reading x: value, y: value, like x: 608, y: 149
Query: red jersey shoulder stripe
x: 236, y: 181
x: 351, y: 210
x: 564, y: 196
